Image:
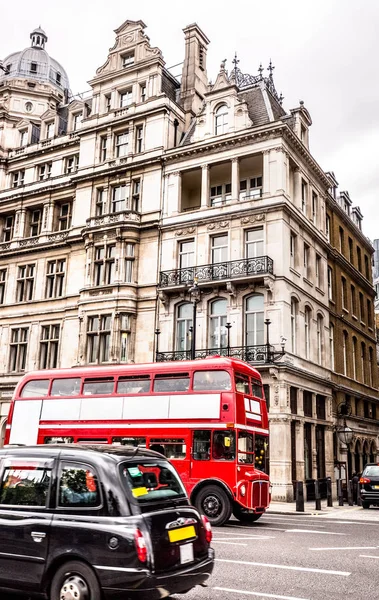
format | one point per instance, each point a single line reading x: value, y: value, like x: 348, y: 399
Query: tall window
x: 44, y: 171
x: 354, y: 357
x: 327, y: 227
x: 104, y: 264
x: 369, y: 313
x: 219, y: 249
x: 77, y: 121
x: 363, y: 361
x: 217, y: 330
x: 254, y: 243
x: 318, y: 272
x: 320, y: 334
x: 18, y: 178
x: 139, y: 138
x: 124, y: 336
x: 293, y: 248
x: 254, y: 320
x: 359, y: 259
x: 55, y: 278
x: 304, y: 195
x: 35, y: 222
x: 142, y: 92
x: 361, y: 307
x: 103, y: 148
x: 136, y: 195
x: 50, y: 130
x: 128, y: 59
x: 221, y: 120
x: 8, y: 228
x: 186, y: 254
x: 330, y: 283
x: 307, y: 331
x: 367, y: 268
x: 129, y: 263
x: 341, y: 240
x: 23, y: 137
x: 98, y: 338
x: 108, y: 102
x: 119, y: 198
x: 25, y: 283
x: 294, y: 310
x: 49, y: 343
x: 64, y: 216
x: 183, y: 324
x: 306, y: 261
x: 122, y: 141
x: 344, y: 351
x: 314, y: 207
x: 343, y: 293
x: 331, y: 346
x: 126, y: 98
x: 351, y: 254
x: 101, y: 198
x: 3, y: 279
x: 353, y: 301
x: 220, y: 194
x: 18, y: 348
x: 370, y: 366
x: 72, y: 163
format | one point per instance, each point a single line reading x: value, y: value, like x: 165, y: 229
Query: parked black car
x: 98, y: 522
x: 369, y: 485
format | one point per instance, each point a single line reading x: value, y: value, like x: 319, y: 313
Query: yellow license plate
x: 184, y: 533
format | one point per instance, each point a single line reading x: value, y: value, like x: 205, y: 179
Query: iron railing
x: 233, y: 269
x: 253, y: 354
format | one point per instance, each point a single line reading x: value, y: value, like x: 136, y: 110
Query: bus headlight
x: 243, y: 490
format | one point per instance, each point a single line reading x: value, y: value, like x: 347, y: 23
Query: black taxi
x: 92, y: 522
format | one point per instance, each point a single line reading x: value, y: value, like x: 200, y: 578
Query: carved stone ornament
x: 253, y: 219
x: 163, y: 297
x: 218, y: 225
x: 231, y: 289
x: 186, y: 231
x: 57, y: 237
x: 27, y: 243
x: 269, y: 284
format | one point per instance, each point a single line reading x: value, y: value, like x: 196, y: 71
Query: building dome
x: 35, y: 63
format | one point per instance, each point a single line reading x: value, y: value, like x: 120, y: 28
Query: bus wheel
x: 214, y: 503
x: 244, y: 515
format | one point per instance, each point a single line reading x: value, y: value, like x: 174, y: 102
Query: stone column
x: 297, y: 187
x: 314, y: 452
x: 329, y: 458
x: 281, y: 171
x: 47, y: 217
x: 204, y: 186
x: 266, y: 173
x: 20, y: 221
x: 300, y: 450
x: 280, y: 458
x: 173, y: 193
x: 235, y: 178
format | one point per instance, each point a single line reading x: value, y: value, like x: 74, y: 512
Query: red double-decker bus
x: 209, y: 417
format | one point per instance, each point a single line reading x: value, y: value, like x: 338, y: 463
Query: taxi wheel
x: 243, y: 515
x: 365, y: 504
x: 75, y: 581
x: 214, y: 503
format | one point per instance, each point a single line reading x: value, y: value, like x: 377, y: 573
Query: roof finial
x: 281, y: 98
x: 235, y: 62
x: 270, y: 68
x: 222, y: 65
x: 260, y: 71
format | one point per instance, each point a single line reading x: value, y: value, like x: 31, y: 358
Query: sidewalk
x: 334, y: 512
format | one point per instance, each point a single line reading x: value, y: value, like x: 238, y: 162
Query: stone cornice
x: 347, y: 220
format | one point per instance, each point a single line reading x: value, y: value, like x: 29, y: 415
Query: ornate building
x: 162, y: 206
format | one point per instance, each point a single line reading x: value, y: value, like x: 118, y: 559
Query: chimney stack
x: 194, y: 76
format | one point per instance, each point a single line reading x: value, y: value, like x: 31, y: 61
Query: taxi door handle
x: 38, y: 536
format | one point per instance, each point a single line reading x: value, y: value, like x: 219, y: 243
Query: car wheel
x: 75, y: 580
x: 214, y: 503
x: 244, y: 515
x: 365, y: 504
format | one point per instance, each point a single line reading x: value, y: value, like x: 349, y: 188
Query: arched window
x: 217, y: 322
x: 320, y: 339
x: 221, y: 119
x: 254, y: 317
x: 331, y: 345
x: 363, y: 360
x: 344, y: 352
x: 183, y: 324
x: 307, y: 331
x: 294, y: 312
x: 354, y: 357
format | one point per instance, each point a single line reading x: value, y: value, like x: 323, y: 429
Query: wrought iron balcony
x: 252, y: 354
x: 233, y: 269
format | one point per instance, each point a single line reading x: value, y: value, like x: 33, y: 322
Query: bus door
x: 213, y: 455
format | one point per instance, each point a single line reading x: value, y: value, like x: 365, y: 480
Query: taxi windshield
x: 151, y: 481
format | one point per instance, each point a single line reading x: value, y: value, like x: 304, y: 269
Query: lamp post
x: 345, y: 433
x: 157, y: 333
x: 268, y: 352
x: 271, y: 355
x: 194, y: 293
x: 228, y: 327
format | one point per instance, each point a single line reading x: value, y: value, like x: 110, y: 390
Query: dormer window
x: 49, y: 130
x: 33, y: 67
x: 128, y: 59
x: 58, y: 78
x: 221, y: 120
x: 23, y: 137
x: 77, y: 121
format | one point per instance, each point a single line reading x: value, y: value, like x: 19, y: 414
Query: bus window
x: 261, y: 453
x: 201, y: 444
x: 211, y: 380
x: 257, y: 388
x: 245, y: 447
x: 242, y: 384
x: 170, y: 448
x: 92, y: 441
x: 171, y: 383
x: 58, y: 440
x: 98, y: 386
x: 224, y: 445
x: 133, y: 385
x: 66, y: 387
x: 137, y: 442
x: 35, y: 388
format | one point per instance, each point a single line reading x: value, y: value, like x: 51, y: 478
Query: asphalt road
x: 294, y: 558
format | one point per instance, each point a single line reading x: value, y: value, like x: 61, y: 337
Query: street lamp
x: 157, y: 333
x: 272, y: 355
x: 194, y: 293
x: 345, y: 434
x: 228, y: 327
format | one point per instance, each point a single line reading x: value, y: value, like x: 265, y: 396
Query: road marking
x: 251, y: 537
x: 247, y: 535
x: 312, y: 531
x: 286, y: 567
x: 368, y: 556
x: 347, y: 548
x: 229, y: 543
x: 259, y: 527
x: 296, y: 522
x: 260, y: 594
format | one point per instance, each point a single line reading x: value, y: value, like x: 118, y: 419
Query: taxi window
x: 25, y: 483
x: 69, y: 386
x: 151, y: 481
x: 172, y: 383
x: 133, y: 385
x: 92, y: 387
x: 35, y: 388
x: 211, y: 380
x: 78, y: 486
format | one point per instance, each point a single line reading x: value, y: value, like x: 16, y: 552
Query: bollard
x: 359, y: 499
x: 350, y: 493
x: 339, y: 492
x: 299, y: 496
x: 329, y: 492
x: 317, y: 495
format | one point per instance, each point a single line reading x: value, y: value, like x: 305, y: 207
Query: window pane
x: 224, y: 445
x: 98, y: 387
x: 150, y: 482
x: 245, y: 447
x: 170, y: 448
x: 133, y: 386
x: 201, y: 445
x: 242, y: 384
x: 78, y: 486
x: 25, y: 486
x: 66, y: 387
x: 171, y: 384
x: 211, y: 380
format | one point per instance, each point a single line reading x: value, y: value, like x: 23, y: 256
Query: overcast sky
x: 325, y: 52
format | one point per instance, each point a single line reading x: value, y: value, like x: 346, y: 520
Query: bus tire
x: 244, y: 515
x: 214, y: 503
x: 75, y: 578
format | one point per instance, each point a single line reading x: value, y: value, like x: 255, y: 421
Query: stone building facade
x: 123, y: 212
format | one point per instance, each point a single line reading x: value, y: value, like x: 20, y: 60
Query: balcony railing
x: 252, y: 354
x: 234, y: 269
